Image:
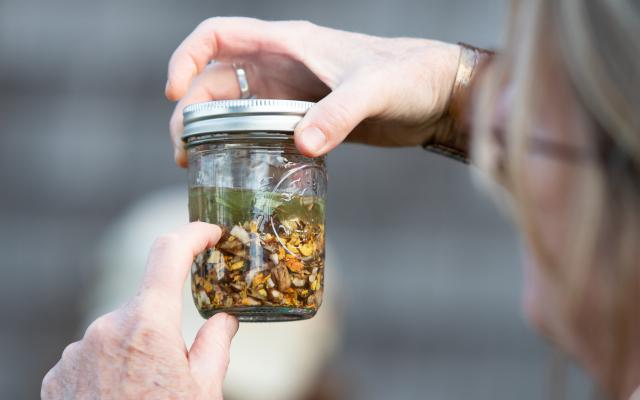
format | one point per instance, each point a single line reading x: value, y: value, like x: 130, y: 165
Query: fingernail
x: 313, y: 139
x: 179, y: 158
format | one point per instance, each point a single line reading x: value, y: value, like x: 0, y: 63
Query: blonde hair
x: 600, y: 42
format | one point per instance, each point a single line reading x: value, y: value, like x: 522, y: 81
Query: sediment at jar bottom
x: 262, y: 314
x: 262, y: 270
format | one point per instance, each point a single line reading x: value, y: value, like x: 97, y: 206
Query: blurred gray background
x: 430, y: 280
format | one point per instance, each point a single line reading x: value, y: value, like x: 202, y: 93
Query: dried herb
x: 270, y: 255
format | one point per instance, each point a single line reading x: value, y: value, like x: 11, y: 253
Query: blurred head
x: 558, y: 118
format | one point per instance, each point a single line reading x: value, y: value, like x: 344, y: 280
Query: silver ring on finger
x: 241, y: 75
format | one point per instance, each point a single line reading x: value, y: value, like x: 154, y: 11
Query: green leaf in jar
x: 231, y: 206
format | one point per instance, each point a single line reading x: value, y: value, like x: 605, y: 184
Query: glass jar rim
x: 251, y: 137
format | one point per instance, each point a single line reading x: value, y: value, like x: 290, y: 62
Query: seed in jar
x: 274, y: 258
x: 282, y: 278
x: 275, y: 296
x: 198, y: 259
x: 306, y: 249
x: 217, y: 260
x: 293, y: 263
x: 250, y: 301
x: 237, y: 287
x: 240, y: 233
x: 311, y: 300
x: 294, y: 240
x: 218, y: 297
x: 292, y: 248
x: 258, y: 280
x: 229, y: 245
x: 203, y: 299
x: 298, y: 282
x: 253, y: 227
x: 236, y: 265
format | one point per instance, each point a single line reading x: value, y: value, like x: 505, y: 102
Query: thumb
x: 329, y: 122
x: 209, y: 354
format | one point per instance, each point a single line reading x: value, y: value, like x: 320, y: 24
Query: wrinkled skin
x: 137, y: 351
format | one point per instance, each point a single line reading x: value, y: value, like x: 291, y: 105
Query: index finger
x: 221, y: 39
x: 169, y: 262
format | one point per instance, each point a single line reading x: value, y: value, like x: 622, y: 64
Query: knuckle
x: 49, y: 385
x: 100, y: 328
x: 209, y: 23
x: 69, y: 351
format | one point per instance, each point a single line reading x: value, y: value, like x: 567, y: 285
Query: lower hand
x: 138, y: 350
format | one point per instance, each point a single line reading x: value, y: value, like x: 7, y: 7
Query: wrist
x: 451, y: 134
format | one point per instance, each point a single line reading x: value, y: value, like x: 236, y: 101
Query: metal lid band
x: 246, y: 115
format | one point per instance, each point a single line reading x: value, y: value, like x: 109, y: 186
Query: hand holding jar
x: 137, y: 351
x: 380, y: 91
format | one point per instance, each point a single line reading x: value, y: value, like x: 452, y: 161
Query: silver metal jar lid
x: 247, y: 115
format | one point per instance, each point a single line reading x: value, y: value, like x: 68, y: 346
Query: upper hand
x: 384, y: 91
x: 138, y: 351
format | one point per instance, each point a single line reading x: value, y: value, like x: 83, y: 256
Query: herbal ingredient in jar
x: 271, y: 253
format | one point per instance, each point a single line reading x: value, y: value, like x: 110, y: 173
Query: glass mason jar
x: 246, y: 175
